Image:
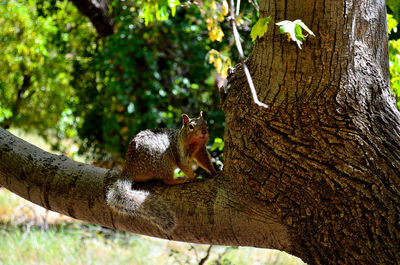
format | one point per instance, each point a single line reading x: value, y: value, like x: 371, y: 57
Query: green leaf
x: 260, y: 28
x: 392, y: 24
x: 294, y: 30
x: 298, y: 32
x: 173, y: 4
x: 218, y: 144
x: 394, y: 5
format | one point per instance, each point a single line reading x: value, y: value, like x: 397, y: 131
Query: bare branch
x: 204, y: 259
x: 241, y: 55
x: 237, y: 7
x: 255, y: 5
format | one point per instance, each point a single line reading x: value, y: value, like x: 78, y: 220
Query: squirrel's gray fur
x: 155, y: 154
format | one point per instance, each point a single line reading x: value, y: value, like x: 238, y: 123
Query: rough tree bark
x: 316, y: 174
x: 325, y: 155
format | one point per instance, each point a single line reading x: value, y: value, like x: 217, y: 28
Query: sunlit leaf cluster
x: 154, y: 9
x: 35, y: 67
x: 220, y: 62
x: 215, y: 13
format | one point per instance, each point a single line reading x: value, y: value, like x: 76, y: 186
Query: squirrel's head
x: 195, y: 129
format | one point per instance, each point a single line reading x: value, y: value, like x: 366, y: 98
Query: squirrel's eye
x: 191, y: 127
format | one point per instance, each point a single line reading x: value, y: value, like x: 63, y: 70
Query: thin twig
x: 255, y: 5
x: 204, y: 259
x: 237, y: 8
x: 241, y: 55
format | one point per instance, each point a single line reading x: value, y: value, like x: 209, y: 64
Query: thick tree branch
x: 97, y: 12
x: 210, y: 211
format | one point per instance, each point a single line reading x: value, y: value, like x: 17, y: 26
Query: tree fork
x: 203, y: 209
x: 325, y: 154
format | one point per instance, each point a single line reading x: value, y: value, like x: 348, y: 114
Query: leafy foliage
x: 104, y: 90
x: 394, y: 6
x: 154, y: 9
x: 35, y: 74
x: 144, y: 77
x: 394, y: 59
x: 215, y: 13
x: 220, y: 62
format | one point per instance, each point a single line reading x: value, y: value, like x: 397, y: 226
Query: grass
x: 68, y: 245
x: 65, y: 244
x: 38, y: 236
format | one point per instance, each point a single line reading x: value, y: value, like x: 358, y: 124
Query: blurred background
x: 66, y: 90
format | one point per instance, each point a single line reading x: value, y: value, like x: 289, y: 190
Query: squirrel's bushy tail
x: 140, y: 203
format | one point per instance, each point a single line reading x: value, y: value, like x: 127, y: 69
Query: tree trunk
x: 325, y: 155
x: 316, y: 174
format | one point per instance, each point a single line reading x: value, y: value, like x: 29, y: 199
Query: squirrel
x: 155, y: 154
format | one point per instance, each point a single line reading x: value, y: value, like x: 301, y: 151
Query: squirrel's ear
x: 201, y: 114
x: 185, y: 118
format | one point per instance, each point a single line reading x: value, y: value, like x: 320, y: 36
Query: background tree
x: 144, y: 77
x: 100, y: 92
x: 34, y: 74
x: 315, y: 174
